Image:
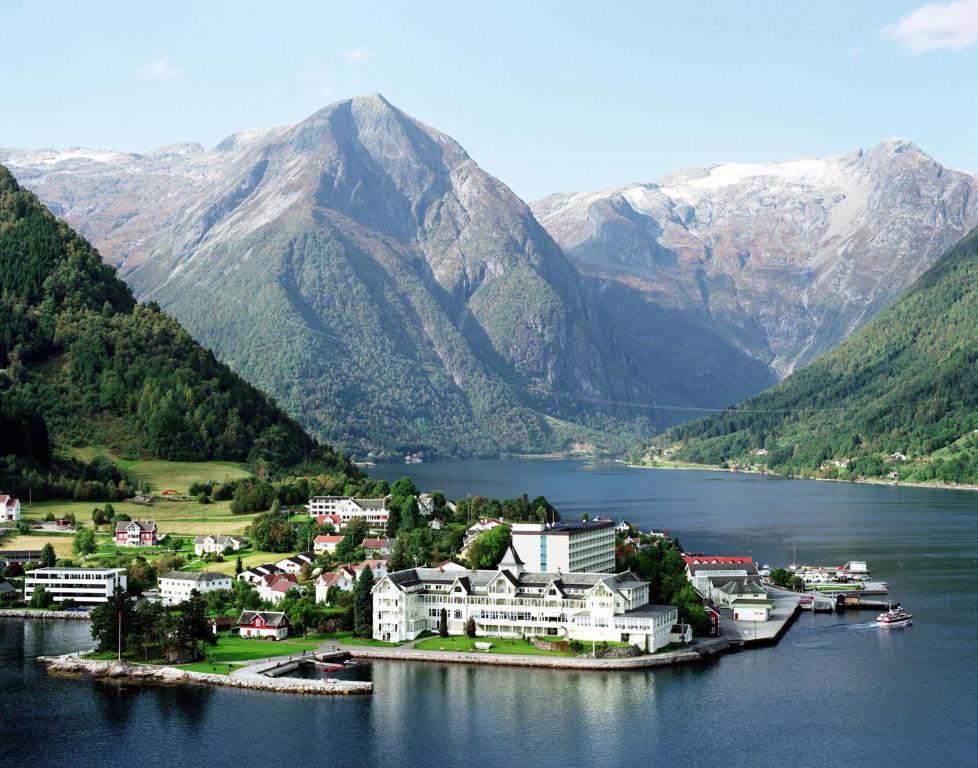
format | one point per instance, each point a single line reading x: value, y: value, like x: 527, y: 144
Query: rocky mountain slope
x: 898, y: 399
x: 784, y: 260
x: 364, y: 270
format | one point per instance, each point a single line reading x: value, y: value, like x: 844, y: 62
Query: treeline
x: 906, y: 383
x: 84, y: 364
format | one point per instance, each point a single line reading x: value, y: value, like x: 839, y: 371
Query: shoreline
x: 672, y: 658
x: 252, y: 677
x: 863, y: 481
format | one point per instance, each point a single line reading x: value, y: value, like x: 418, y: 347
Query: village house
x: 257, y: 572
x: 623, y: 527
x: 436, y: 524
x: 334, y: 520
x: 378, y: 547
x: 706, y: 572
x: 483, y: 525
x: 347, y: 508
x: 217, y: 545
x: 581, y: 547
x: 513, y: 602
x: 136, y: 533
x: 176, y: 586
x: 9, y: 509
x: 745, y: 597
x: 265, y: 625
x: 346, y: 576
x: 275, y: 586
x: 326, y: 544
x: 295, y: 563
x: 221, y: 623
x: 426, y: 504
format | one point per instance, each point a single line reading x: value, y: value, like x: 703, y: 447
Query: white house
x: 266, y: 625
x: 218, y: 545
x: 746, y: 597
x: 707, y: 572
x: 512, y: 602
x: 346, y: 576
x: 9, y: 509
x: 295, y: 563
x: 581, y: 547
x: 381, y: 547
x: 176, y: 586
x: 485, y: 524
x: 347, y: 508
x: 83, y: 585
x: 257, y: 572
x: 275, y: 586
x: 436, y: 523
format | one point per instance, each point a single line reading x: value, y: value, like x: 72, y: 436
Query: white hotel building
x: 176, y: 586
x: 83, y: 585
x: 583, y: 547
x: 514, y: 602
x: 347, y: 508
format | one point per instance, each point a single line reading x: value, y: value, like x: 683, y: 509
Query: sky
x: 548, y: 96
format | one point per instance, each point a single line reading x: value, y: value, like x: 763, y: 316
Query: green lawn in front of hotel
x: 463, y: 643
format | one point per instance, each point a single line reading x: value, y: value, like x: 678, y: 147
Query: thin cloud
x: 949, y: 26
x: 162, y: 67
x: 355, y: 55
x: 318, y: 79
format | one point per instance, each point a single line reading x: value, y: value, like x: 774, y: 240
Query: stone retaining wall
x: 29, y: 613
x: 72, y: 664
x: 546, y: 662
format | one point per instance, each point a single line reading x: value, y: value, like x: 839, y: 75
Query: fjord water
x: 834, y: 692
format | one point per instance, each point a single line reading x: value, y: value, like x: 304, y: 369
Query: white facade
x: 176, y: 586
x: 511, y: 602
x: 347, y: 508
x: 217, y: 545
x: 9, y: 509
x: 566, y: 547
x: 83, y: 585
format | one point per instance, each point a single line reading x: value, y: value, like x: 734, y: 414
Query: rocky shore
x: 72, y: 665
x: 28, y: 613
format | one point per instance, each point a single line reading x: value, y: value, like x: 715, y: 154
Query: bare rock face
x: 364, y: 270
x: 783, y: 259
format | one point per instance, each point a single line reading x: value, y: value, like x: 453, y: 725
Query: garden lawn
x: 210, y: 668
x: 499, y: 645
x: 232, y: 648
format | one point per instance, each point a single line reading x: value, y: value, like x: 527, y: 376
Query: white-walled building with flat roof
x: 83, y: 585
x: 514, y: 602
x: 176, y: 586
x: 583, y: 547
x: 347, y: 508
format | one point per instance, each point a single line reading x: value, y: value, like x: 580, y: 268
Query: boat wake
x: 828, y: 636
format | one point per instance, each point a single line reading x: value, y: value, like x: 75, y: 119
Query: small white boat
x: 893, y: 618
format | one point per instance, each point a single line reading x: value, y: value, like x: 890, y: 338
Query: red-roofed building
x: 334, y: 520
x: 275, y: 586
x: 377, y: 546
x: 717, y: 560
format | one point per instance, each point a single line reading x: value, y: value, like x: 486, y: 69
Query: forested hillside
x: 899, y: 399
x: 84, y: 365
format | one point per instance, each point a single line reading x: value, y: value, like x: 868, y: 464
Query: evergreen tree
x: 48, y: 558
x: 109, y: 617
x: 363, y: 604
x: 443, y: 623
x: 470, y: 627
x: 238, y: 566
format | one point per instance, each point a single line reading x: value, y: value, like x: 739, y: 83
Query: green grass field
x: 499, y: 645
x: 180, y: 475
x: 231, y: 648
x: 181, y: 517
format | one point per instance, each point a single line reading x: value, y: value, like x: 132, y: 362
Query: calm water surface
x: 834, y: 692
